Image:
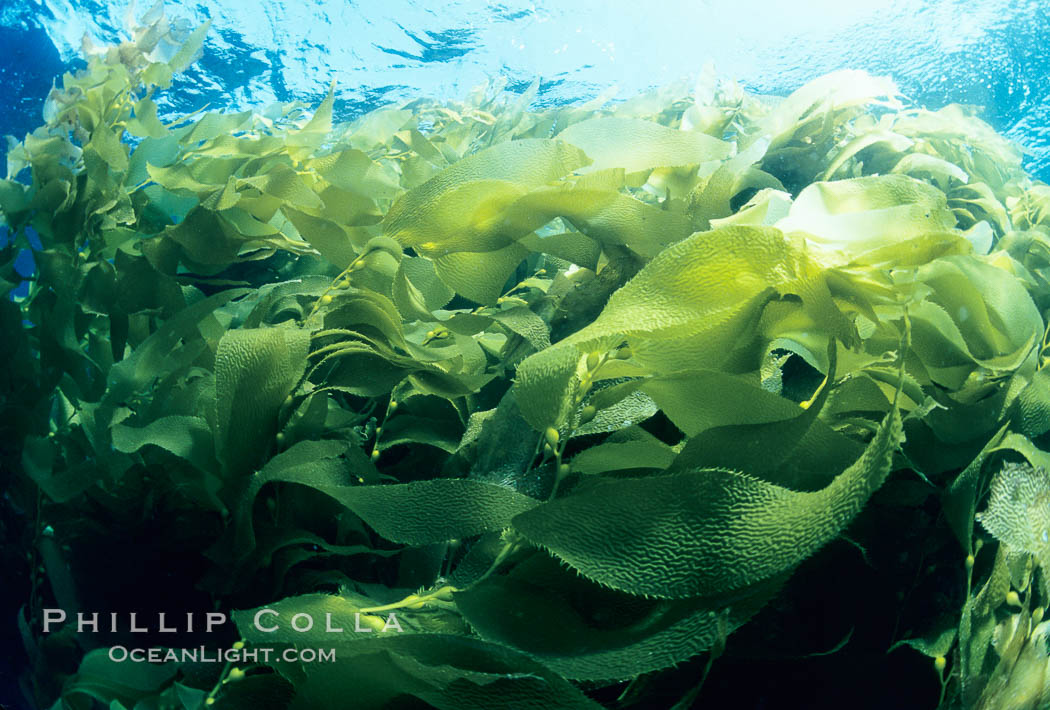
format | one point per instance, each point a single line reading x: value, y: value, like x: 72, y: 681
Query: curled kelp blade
x: 702, y: 532
x: 690, y: 307
x: 853, y: 216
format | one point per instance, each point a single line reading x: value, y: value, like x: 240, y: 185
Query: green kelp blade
x: 1032, y: 416
x: 366, y: 313
x: 937, y: 643
x: 190, y: 51
x: 852, y: 216
x: 618, y: 407
x: 702, y: 532
x: 206, y: 241
x: 938, y: 344
x: 912, y: 252
x: 104, y: 679
x: 689, y: 308
x: 444, y: 433
x: 285, y: 184
x: 430, y: 658
x: 888, y: 140
x: 377, y: 127
x: 303, y: 142
x: 955, y: 134
x: 726, y: 400
x: 606, y: 216
x: 490, y: 216
x: 1018, y: 510
x: 916, y: 164
x: 574, y: 247
x: 977, y: 626
x: 617, y: 637
x: 545, y: 390
x: 342, y: 614
x: 200, y: 179
x: 996, y: 316
x: 355, y: 172
x: 636, y: 145
x: 468, y: 216
x: 39, y: 457
x: 617, y: 455
x: 160, y: 152
x: 189, y: 438
x: 523, y: 321
x: 415, y: 513
x: 255, y: 369
x: 331, y: 239
x: 709, y: 277
x: 158, y: 353
x: 825, y: 95
x: 417, y: 290
x: 479, y: 276
x: 976, y: 321
x: 767, y: 435
x: 712, y: 199
x: 475, y: 189
x: 442, y: 671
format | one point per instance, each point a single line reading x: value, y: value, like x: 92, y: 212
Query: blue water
x: 991, y: 53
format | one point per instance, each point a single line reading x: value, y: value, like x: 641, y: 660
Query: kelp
x: 574, y: 392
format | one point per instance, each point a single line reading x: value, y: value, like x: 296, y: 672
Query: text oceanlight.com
x: 121, y: 654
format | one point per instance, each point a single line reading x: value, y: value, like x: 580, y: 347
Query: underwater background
x: 993, y: 56
x: 988, y: 53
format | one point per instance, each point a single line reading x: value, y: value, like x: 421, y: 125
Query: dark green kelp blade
x: 702, y: 532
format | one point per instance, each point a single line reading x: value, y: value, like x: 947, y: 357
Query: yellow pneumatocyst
x: 551, y: 434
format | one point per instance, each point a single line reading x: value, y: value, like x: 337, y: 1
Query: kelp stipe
x: 573, y: 393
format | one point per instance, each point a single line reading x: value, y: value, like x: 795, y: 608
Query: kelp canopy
x: 572, y: 391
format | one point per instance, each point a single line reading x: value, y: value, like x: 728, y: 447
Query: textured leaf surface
x: 635, y: 407
x: 527, y: 324
x: 471, y: 193
x: 619, y: 637
x: 415, y: 513
x: 441, y: 668
x: 479, y: 276
x: 255, y: 369
x: 155, y: 354
x: 702, y: 532
x: 1019, y: 510
x: 635, y: 145
x: 186, y: 437
x: 544, y: 392
x: 698, y: 299
x: 858, y: 214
